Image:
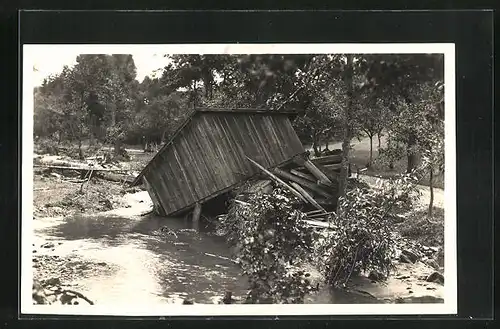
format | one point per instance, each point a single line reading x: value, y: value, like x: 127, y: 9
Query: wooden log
x: 302, y: 182
x: 221, y: 257
x: 303, y: 175
x: 329, y: 159
x: 317, y: 172
x: 89, y: 168
x: 307, y: 196
x: 110, y: 176
x: 331, y: 174
x: 278, y: 180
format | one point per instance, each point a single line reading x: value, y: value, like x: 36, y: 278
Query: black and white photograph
x: 238, y: 179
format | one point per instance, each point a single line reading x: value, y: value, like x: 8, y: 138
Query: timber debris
x: 314, y: 181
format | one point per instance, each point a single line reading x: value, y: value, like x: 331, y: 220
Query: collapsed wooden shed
x: 206, y: 156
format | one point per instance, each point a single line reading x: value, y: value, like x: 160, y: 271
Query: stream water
x: 143, y: 266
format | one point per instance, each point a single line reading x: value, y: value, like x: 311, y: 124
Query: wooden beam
x: 307, y: 196
x: 317, y: 172
x: 278, y: 180
x: 303, y: 175
x: 302, y: 182
x: 329, y: 159
x: 312, y: 212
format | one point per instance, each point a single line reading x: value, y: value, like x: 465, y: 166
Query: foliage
x: 271, y: 242
x: 363, y: 240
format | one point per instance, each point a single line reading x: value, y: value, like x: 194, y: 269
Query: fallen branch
x: 76, y: 293
x: 243, y: 203
x: 80, y: 295
x: 314, y: 212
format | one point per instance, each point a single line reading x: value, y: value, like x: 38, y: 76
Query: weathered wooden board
x: 303, y: 182
x: 329, y: 159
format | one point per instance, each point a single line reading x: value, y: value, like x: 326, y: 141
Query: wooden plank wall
x: 208, y: 155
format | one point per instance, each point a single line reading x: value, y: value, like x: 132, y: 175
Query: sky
x: 53, y: 63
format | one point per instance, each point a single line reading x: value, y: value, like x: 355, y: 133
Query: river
x: 121, y: 258
x: 125, y: 260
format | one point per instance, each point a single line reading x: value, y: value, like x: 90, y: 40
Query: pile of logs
x: 314, y: 181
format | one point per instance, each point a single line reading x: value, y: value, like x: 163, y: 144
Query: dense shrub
x: 363, y: 239
x: 271, y: 242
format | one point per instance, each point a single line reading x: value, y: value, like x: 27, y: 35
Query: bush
x: 271, y: 242
x: 363, y: 240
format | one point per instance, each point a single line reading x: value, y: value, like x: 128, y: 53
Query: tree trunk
x: 315, y: 145
x: 113, y: 115
x: 378, y: 137
x: 389, y: 143
x: 80, y: 151
x: 431, y: 189
x: 348, y: 73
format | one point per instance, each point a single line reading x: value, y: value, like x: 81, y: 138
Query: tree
x: 105, y: 84
x: 347, y: 77
x: 430, y: 136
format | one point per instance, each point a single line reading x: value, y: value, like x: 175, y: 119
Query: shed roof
x: 198, y: 111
